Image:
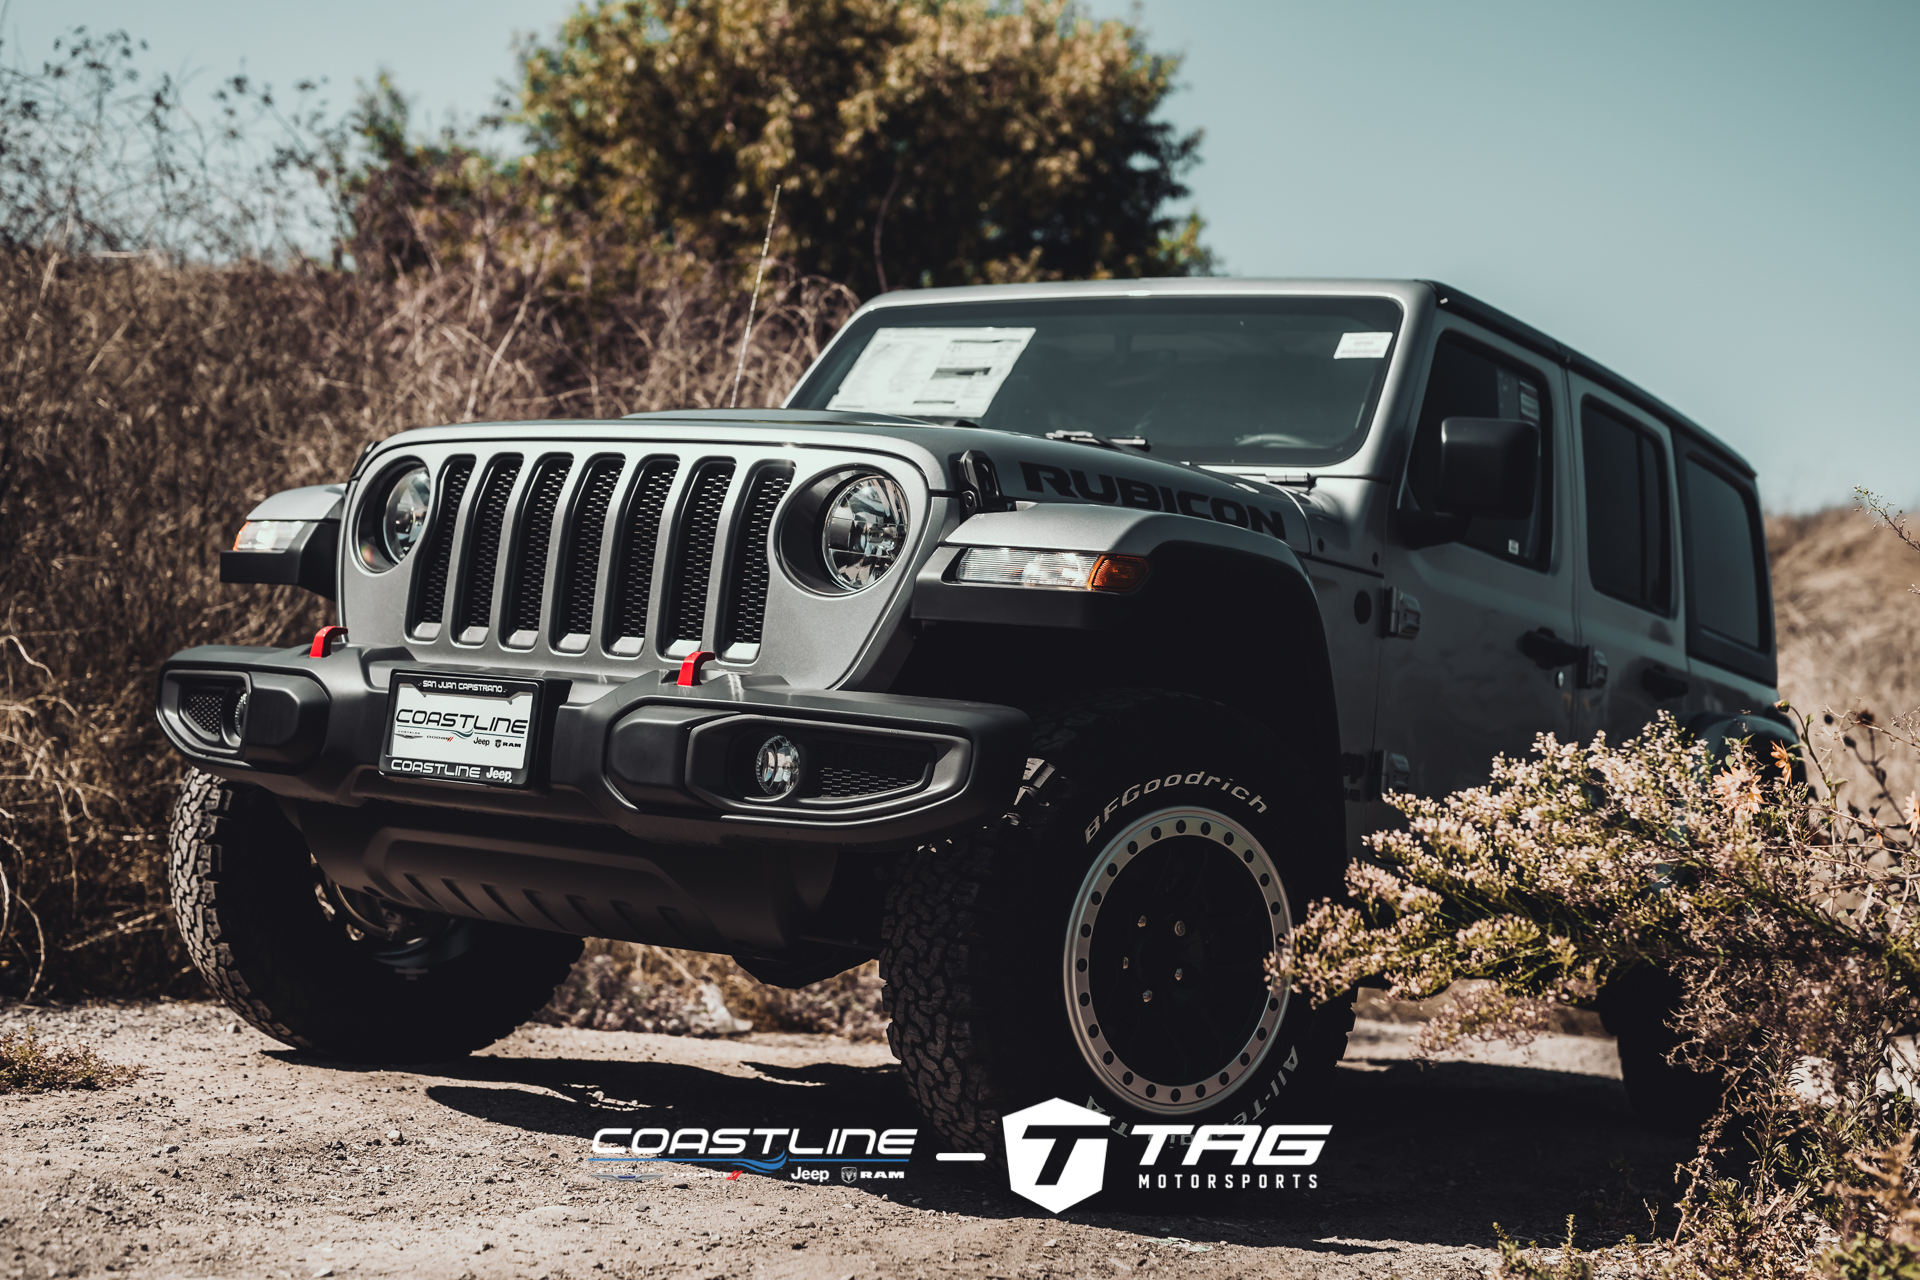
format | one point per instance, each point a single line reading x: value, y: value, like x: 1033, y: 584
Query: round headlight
x: 404, y: 516
x: 864, y: 531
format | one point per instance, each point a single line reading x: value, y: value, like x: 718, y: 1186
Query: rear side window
x: 1469, y: 381
x: 1629, y: 545
x: 1725, y: 563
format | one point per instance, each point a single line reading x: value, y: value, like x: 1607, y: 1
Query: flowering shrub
x: 1789, y: 918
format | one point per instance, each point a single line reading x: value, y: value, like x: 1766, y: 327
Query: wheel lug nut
x: 1125, y: 962
x: 1179, y: 974
x: 1143, y: 922
x: 1146, y: 997
x: 1179, y: 928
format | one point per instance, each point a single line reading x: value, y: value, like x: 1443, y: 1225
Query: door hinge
x: 1402, y: 615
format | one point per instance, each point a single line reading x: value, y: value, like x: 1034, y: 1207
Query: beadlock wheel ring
x: 1201, y: 969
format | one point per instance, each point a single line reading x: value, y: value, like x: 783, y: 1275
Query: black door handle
x: 1663, y: 684
x: 1548, y: 650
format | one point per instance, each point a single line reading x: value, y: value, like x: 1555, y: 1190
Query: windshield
x: 1254, y: 381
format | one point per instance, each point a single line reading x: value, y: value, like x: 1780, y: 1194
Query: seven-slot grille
x: 491, y: 515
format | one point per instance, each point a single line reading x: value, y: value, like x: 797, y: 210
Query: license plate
x: 457, y: 728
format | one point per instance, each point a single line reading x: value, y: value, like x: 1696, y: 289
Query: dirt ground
x: 234, y: 1156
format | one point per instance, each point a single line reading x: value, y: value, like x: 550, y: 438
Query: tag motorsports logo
x: 1057, y: 1154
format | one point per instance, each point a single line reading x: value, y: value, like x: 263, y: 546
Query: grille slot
x: 684, y: 612
x: 747, y: 578
x: 528, y: 583
x: 631, y: 590
x: 474, y: 606
x: 580, y: 561
x: 850, y: 769
x: 436, y: 558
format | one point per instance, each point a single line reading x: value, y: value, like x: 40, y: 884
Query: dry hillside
x: 1847, y: 622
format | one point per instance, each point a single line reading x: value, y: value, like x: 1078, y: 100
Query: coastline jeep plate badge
x: 461, y: 728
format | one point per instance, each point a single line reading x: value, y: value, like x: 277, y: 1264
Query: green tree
x: 942, y: 142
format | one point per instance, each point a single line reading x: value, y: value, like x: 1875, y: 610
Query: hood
x: 1030, y: 469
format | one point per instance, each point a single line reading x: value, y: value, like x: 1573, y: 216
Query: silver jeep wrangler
x: 1054, y: 644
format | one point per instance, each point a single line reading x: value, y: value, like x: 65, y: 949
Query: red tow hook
x: 690, y: 669
x: 326, y: 640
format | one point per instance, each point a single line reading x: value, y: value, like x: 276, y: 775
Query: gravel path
x: 234, y: 1156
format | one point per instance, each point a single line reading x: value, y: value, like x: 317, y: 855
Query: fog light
x: 776, y: 766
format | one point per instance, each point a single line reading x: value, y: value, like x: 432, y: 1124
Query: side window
x: 1469, y: 381
x: 1629, y: 546
x: 1724, y: 559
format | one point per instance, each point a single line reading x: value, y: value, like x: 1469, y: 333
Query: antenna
x: 740, y: 368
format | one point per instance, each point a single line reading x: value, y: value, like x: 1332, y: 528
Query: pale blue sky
x: 1716, y: 199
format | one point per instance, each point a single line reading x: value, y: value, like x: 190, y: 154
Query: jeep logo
x: 1071, y: 483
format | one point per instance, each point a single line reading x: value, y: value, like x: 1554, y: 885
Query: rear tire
x: 1637, y: 1008
x: 1016, y: 964
x: 340, y: 974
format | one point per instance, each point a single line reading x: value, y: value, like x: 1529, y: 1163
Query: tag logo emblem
x: 1056, y: 1153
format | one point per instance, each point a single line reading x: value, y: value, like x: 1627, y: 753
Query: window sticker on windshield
x: 1362, y: 346
x: 941, y: 373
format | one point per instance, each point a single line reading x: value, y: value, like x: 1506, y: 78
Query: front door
x: 1494, y: 660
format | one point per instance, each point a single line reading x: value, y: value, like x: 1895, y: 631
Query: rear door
x: 1626, y: 571
x: 1729, y: 604
x: 1480, y: 676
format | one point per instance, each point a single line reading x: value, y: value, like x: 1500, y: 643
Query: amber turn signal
x: 1117, y: 573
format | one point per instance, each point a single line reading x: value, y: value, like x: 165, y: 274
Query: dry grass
x: 1846, y: 621
x: 29, y: 1064
x: 146, y: 407
x: 618, y: 986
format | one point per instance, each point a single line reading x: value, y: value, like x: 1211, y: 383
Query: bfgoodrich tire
x: 1104, y: 942
x: 337, y: 973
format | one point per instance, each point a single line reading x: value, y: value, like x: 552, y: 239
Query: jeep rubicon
x: 1054, y: 644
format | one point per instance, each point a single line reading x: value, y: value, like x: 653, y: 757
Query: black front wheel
x: 1106, y: 941
x: 337, y: 971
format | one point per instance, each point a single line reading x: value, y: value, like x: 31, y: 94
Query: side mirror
x: 1487, y: 467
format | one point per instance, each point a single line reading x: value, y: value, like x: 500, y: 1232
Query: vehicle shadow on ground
x: 1433, y: 1154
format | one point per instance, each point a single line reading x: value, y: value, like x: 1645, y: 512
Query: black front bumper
x: 639, y: 822
x: 649, y: 758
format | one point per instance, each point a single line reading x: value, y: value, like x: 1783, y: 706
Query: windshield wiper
x: 1118, y: 443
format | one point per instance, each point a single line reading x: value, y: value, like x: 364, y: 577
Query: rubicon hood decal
x: 1047, y: 480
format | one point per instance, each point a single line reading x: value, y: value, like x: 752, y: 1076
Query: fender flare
x: 1760, y: 729
x: 1225, y: 613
